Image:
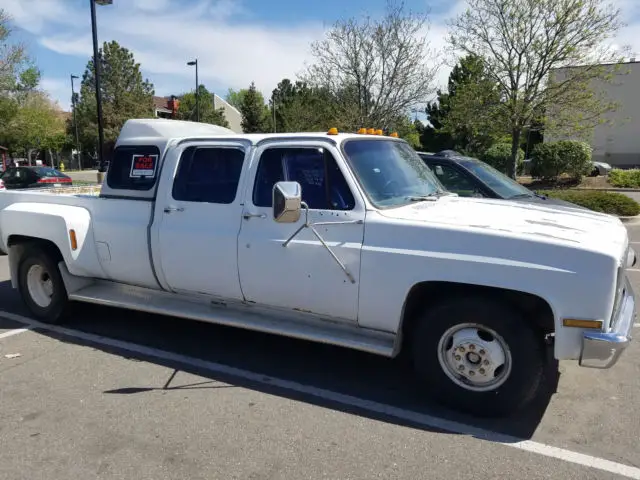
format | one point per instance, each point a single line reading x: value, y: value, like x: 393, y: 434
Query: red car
x: 34, y: 177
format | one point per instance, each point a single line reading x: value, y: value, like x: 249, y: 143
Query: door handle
x: 247, y: 215
x: 173, y: 209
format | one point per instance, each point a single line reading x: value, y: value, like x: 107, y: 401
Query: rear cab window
x: 134, y: 168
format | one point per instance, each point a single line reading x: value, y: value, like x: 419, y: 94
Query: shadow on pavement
x: 341, y: 371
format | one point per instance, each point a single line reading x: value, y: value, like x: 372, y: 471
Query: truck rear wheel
x: 41, y: 286
x: 479, y: 356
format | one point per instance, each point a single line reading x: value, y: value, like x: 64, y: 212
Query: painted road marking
x: 407, y: 415
x: 17, y: 331
x: 633, y: 270
x: 636, y: 324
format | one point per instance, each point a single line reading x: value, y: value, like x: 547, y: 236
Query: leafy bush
x: 550, y: 160
x: 598, y: 201
x: 499, y: 156
x: 625, y: 178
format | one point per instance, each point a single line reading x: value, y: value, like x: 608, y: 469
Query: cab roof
x: 161, y: 129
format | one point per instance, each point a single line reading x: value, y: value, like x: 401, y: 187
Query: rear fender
x: 22, y: 223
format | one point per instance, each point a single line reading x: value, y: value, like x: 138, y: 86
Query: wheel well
x: 535, y: 309
x: 26, y: 241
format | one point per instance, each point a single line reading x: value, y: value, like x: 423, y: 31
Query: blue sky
x: 235, y: 41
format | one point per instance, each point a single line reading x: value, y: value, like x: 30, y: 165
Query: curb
x: 605, y: 189
x: 630, y: 219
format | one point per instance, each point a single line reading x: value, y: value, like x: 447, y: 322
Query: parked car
x: 34, y: 177
x: 470, y: 177
x: 2, y: 187
x: 340, y: 238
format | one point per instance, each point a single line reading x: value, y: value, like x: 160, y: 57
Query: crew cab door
x: 303, y: 275
x: 199, y: 215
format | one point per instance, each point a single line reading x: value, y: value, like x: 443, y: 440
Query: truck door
x: 303, y: 275
x: 200, y: 213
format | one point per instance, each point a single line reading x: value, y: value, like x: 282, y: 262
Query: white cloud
x: 59, y: 90
x: 232, y: 46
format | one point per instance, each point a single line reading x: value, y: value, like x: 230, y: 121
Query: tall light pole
x: 75, y: 122
x: 191, y: 64
x: 96, y: 66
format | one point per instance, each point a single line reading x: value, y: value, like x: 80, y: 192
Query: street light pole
x: 75, y: 122
x: 96, y: 66
x: 191, y: 64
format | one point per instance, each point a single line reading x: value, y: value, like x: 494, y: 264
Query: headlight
x: 631, y: 257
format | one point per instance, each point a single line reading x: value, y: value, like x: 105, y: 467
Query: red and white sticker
x: 143, y: 166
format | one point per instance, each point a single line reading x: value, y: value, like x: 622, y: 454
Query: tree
x: 300, y: 107
x: 236, y: 98
x: 208, y: 113
x: 125, y: 95
x: 376, y: 69
x: 18, y: 76
x: 253, y: 111
x: 524, y: 42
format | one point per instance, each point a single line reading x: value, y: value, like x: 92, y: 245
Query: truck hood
x: 534, y: 221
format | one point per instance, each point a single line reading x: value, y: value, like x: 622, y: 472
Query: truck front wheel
x: 41, y: 286
x: 478, y: 355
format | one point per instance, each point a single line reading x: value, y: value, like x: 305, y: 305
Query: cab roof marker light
x: 371, y: 131
x: 332, y: 131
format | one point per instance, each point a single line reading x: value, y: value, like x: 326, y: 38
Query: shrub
x: 625, y: 178
x: 598, y: 201
x: 499, y: 156
x: 550, y: 160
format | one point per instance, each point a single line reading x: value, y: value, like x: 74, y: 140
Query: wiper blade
x: 430, y: 196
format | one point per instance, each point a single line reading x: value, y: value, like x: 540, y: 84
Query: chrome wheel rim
x: 40, y: 285
x: 474, y: 357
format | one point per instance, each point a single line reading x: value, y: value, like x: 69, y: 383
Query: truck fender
x: 22, y: 222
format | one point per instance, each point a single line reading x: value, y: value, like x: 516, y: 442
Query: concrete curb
x: 630, y: 219
x: 608, y: 189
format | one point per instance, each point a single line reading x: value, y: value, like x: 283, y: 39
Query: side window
x: 208, y: 174
x: 455, y: 181
x: 323, y: 185
x: 133, y: 168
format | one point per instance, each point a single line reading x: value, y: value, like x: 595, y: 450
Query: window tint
x: 133, y: 168
x: 208, y: 175
x: 455, y: 181
x: 322, y: 182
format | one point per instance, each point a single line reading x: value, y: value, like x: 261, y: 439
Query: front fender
x: 50, y: 222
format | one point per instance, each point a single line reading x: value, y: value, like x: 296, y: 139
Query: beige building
x: 163, y: 109
x: 616, y: 142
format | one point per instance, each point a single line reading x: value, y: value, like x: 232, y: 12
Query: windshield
x: 47, y: 172
x: 504, y: 186
x: 390, y: 172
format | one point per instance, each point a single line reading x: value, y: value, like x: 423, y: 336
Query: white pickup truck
x: 346, y: 239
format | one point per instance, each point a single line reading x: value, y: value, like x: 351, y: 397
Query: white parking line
x: 633, y: 270
x: 407, y: 415
x: 11, y: 333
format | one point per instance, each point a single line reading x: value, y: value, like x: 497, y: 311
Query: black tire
x: 525, y: 345
x: 54, y: 313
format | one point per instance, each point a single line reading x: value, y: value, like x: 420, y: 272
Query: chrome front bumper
x: 603, y: 349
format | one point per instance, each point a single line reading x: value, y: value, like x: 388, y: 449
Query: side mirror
x: 287, y: 202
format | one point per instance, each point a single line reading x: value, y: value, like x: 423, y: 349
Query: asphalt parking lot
x: 117, y: 394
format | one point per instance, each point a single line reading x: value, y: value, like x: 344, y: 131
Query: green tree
x: 458, y: 120
x: 236, y: 98
x: 18, y: 76
x: 253, y: 111
x: 301, y: 108
x: 524, y: 43
x: 208, y: 113
x: 125, y: 95
x: 376, y: 69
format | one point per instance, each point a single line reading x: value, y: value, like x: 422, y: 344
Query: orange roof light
x: 379, y: 132
x: 371, y: 131
x: 394, y: 135
x: 362, y: 131
x: 332, y: 131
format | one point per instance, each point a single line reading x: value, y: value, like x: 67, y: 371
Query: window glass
x: 390, y: 171
x: 455, y: 181
x: 504, y: 186
x: 208, y: 175
x: 133, y: 168
x: 323, y: 185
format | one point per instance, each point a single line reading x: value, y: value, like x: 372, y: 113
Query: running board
x: 243, y: 315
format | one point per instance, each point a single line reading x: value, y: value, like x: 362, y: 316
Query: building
x: 164, y: 108
x: 617, y: 141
